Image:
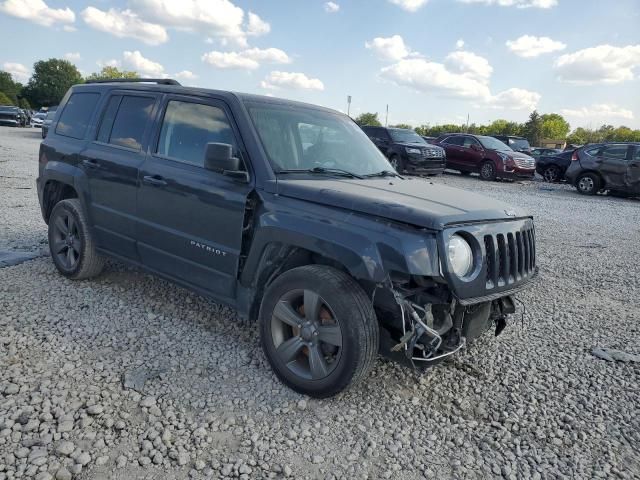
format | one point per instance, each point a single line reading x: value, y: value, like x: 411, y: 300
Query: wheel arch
x: 53, y: 192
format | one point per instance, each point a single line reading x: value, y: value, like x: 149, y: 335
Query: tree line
x: 548, y: 126
x: 49, y: 82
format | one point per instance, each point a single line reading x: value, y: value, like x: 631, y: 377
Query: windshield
x: 519, y: 143
x: 493, y: 144
x: 405, y: 136
x: 300, y: 138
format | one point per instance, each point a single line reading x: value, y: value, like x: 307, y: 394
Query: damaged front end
x: 423, y: 330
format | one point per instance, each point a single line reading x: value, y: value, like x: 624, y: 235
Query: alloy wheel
x: 306, y: 334
x: 487, y: 170
x: 551, y: 175
x: 67, y: 244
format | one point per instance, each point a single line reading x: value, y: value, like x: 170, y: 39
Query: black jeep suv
x: 407, y: 151
x: 285, y: 212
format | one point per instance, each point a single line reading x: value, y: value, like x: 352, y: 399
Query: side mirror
x: 475, y: 147
x: 218, y: 157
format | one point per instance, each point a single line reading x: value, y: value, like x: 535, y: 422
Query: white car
x: 38, y: 119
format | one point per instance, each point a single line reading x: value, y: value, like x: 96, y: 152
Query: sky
x: 430, y: 61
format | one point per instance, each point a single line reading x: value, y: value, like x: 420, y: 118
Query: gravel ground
x: 532, y: 403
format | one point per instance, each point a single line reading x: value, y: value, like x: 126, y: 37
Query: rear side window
x: 76, y: 115
x: 131, y: 121
x: 615, y: 151
x: 454, y: 140
x: 188, y: 127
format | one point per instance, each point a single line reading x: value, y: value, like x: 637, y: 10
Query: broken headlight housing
x: 460, y: 256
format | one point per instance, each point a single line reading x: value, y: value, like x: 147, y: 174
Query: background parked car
x: 51, y: 113
x: 430, y: 140
x: 488, y: 156
x: 552, y: 167
x: 12, y: 116
x: 517, y: 144
x: 606, y: 166
x: 407, y: 151
x: 38, y: 119
x: 539, y: 151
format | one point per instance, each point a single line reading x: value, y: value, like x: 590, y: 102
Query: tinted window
x: 468, y: 141
x: 76, y: 115
x: 454, y: 140
x: 131, y: 121
x: 107, y: 118
x: 637, y: 155
x: 592, y: 151
x: 615, y: 151
x: 188, y: 127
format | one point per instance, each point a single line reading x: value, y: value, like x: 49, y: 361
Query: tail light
x: 574, y: 157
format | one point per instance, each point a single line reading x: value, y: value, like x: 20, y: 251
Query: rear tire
x: 551, y: 174
x: 588, y: 184
x: 488, y: 171
x: 321, y: 353
x: 70, y: 243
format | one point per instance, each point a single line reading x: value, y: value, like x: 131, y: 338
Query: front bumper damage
x: 432, y: 332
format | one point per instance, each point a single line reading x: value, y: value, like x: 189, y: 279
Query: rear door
x: 190, y: 218
x: 455, y: 152
x: 471, y: 153
x: 111, y: 162
x: 633, y: 171
x: 614, y: 164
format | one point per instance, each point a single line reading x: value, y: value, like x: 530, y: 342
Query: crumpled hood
x: 410, y: 201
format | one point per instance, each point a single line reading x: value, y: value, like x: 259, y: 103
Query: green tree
x: 10, y: 88
x: 554, y: 126
x: 110, y: 73
x: 4, y: 99
x: 503, y: 127
x: 532, y: 130
x: 368, y: 119
x: 402, y: 125
x: 24, y: 103
x: 50, y: 81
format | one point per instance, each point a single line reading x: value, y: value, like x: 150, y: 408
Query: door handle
x: 154, y: 180
x: 91, y: 163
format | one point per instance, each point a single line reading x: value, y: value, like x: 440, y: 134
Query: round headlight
x: 460, y: 256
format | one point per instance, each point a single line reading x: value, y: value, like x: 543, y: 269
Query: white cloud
x: 515, y: 99
x: 409, y: 5
x: 249, y: 59
x: 256, y: 26
x: 463, y: 75
x: 72, y: 56
x: 516, y: 3
x: 598, y: 112
x: 469, y: 64
x: 18, y: 71
x: 215, y: 18
x: 109, y: 63
x: 331, y: 7
x: 392, y: 48
x: 299, y: 81
x: 37, y: 11
x: 460, y: 43
x: 124, y: 23
x: 145, y: 67
x: 602, y: 64
x: 528, y: 46
x: 69, y: 28
x: 185, y: 75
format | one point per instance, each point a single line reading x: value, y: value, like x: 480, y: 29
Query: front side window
x: 468, y: 141
x: 188, y: 127
x: 76, y: 115
x: 301, y: 138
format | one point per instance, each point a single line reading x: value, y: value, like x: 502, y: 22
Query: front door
x: 190, y: 219
x: 613, y: 165
x: 633, y: 171
x: 111, y: 161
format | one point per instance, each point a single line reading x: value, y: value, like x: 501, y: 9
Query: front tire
x: 70, y: 243
x: 318, y: 330
x: 588, y: 184
x: 488, y: 171
x: 397, y: 164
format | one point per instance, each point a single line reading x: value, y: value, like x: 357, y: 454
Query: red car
x: 487, y: 156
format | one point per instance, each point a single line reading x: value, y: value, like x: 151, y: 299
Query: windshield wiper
x: 385, y: 173
x: 331, y: 171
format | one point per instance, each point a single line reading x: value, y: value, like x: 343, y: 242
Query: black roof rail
x: 159, y: 81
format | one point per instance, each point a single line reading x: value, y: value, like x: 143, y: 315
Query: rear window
x: 76, y: 115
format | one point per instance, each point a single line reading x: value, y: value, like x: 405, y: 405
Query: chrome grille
x: 528, y: 163
x: 433, y: 152
x: 510, y: 257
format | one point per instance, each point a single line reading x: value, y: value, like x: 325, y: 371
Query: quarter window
x: 188, y: 127
x: 76, y: 115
